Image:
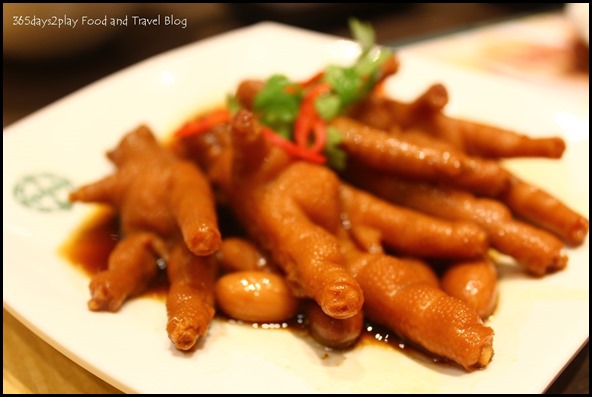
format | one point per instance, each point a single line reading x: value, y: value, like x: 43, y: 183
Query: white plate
x: 540, y: 323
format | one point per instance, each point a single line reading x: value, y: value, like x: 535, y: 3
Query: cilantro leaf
x: 336, y: 156
x: 353, y: 83
x: 363, y: 33
x: 328, y: 106
x: 277, y: 104
x: 346, y: 82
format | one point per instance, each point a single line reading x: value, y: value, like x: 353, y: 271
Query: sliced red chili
x: 204, y: 123
x: 308, y: 116
x: 312, y: 80
x: 292, y: 149
x: 320, y: 136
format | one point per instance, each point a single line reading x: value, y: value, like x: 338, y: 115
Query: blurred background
x: 41, y: 66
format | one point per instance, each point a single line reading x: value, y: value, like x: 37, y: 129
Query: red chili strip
x: 292, y: 149
x: 204, y: 123
x: 308, y: 116
x: 320, y: 136
x: 312, y: 80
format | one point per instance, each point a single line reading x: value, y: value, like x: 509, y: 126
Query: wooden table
x: 30, y: 365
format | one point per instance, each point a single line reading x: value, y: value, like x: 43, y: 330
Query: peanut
x: 255, y: 296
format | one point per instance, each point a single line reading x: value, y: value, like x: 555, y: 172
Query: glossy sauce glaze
x: 89, y: 246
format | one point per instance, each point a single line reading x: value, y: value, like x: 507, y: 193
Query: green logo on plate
x: 43, y: 192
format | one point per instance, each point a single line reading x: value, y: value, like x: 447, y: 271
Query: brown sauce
x: 377, y: 334
x: 89, y: 247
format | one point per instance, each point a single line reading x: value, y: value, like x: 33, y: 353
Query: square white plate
x: 539, y: 324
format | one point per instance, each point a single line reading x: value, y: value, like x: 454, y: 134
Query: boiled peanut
x: 255, y: 296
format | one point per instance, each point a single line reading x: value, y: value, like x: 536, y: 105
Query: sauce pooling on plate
x: 89, y: 247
